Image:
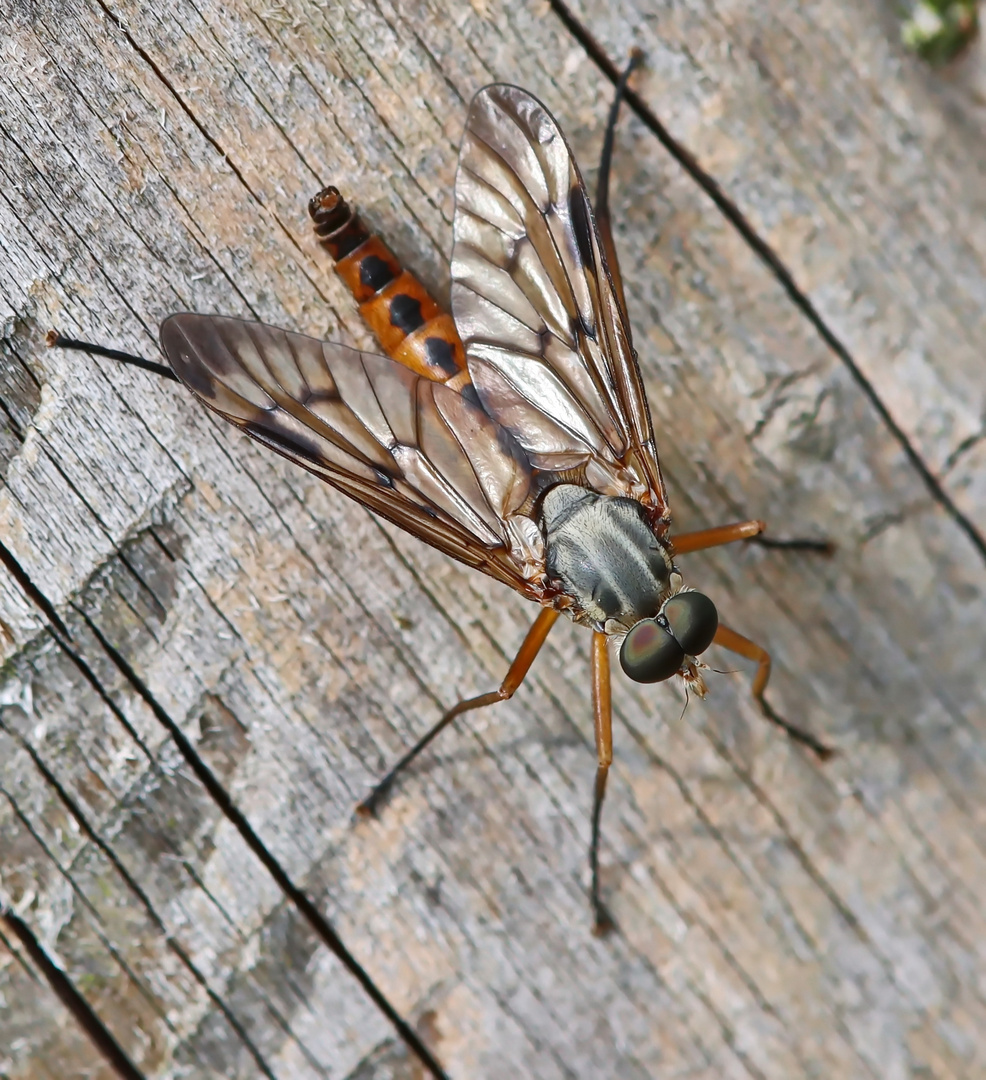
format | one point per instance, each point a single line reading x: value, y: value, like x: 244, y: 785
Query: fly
x: 514, y: 436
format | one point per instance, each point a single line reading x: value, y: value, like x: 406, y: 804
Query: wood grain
x: 777, y: 918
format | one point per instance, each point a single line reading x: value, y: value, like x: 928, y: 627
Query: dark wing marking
x: 410, y: 449
x: 548, y: 348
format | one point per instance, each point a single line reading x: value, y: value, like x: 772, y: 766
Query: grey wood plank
x: 777, y: 918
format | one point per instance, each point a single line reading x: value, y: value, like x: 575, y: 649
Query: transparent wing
x: 412, y: 450
x: 548, y: 349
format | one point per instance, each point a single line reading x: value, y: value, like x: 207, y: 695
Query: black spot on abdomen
x: 405, y: 313
x: 441, y: 355
x: 374, y: 273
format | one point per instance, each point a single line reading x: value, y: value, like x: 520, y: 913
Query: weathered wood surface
x: 777, y: 918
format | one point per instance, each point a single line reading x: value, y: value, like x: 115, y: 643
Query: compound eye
x: 649, y: 653
x: 693, y: 620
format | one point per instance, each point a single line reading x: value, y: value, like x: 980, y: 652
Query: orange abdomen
x: 408, y: 323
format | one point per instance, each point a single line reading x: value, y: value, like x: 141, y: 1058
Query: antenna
x: 54, y: 340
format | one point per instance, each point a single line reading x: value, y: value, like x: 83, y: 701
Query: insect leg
x: 736, y: 643
x: 720, y: 534
x: 516, y: 674
x: 797, y: 543
x: 744, y: 530
x: 603, y: 223
x: 602, y: 714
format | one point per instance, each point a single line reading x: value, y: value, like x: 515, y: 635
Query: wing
x: 410, y: 449
x: 548, y: 348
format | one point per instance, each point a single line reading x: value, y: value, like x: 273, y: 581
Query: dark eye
x: 693, y: 620
x: 649, y: 653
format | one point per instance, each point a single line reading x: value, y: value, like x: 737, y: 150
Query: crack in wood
x: 70, y: 997
x: 468, y: 896
x: 732, y: 213
x: 222, y: 799
x: 318, y: 922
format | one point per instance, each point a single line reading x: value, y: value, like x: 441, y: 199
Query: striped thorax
x: 604, y: 555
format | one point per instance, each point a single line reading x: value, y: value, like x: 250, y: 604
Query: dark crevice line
x: 55, y: 267
x: 186, y: 109
x: 321, y: 926
x: 76, y: 813
x: 98, y: 924
x: 172, y: 943
x: 248, y: 86
x: 70, y: 997
x: 732, y: 213
x: 18, y: 573
x: 20, y: 959
x: 168, y: 553
x: 194, y: 229
x: 15, y: 427
x: 396, y: 150
x: 93, y: 679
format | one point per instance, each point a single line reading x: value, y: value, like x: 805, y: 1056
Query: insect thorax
x: 603, y: 554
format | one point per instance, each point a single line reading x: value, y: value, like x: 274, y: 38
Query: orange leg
x: 602, y: 714
x: 744, y: 530
x: 721, y: 534
x: 515, y: 676
x: 736, y: 643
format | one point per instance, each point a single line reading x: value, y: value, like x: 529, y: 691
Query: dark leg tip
x: 825, y: 548
x: 369, y: 806
x: 819, y: 749
x: 603, y: 924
